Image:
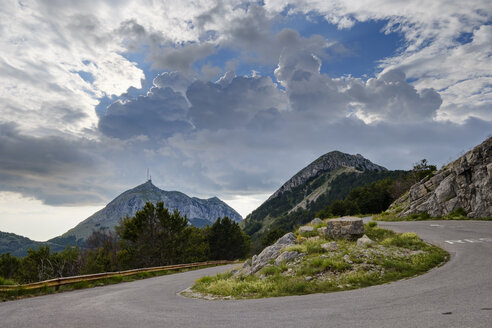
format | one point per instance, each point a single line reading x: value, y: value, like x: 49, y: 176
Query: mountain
x: 200, y: 212
x: 328, y: 178
x: 18, y: 245
x: 464, y: 185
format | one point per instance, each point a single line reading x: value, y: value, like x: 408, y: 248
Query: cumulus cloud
x: 390, y: 98
x: 158, y: 114
x: 386, y: 98
x: 229, y: 106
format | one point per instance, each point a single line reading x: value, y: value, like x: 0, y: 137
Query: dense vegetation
x: 153, y: 237
x: 373, y: 198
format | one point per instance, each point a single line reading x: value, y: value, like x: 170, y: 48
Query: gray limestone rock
x: 465, y: 183
x: 322, y: 231
x: 346, y: 227
x: 364, y: 241
x: 306, y: 229
x: 316, y: 221
x: 287, y: 257
x: 329, y: 247
x: 268, y: 254
x: 287, y: 239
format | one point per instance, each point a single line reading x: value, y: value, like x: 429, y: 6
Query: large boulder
x: 364, y: 241
x: 270, y: 253
x: 304, y: 229
x: 346, y: 227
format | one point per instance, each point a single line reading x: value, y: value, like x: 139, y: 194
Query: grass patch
x: 458, y: 214
x: 6, y: 282
x: 394, y: 256
x: 310, y: 246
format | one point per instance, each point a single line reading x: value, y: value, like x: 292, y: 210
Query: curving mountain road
x: 458, y: 294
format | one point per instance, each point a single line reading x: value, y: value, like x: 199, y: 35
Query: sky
x: 226, y: 98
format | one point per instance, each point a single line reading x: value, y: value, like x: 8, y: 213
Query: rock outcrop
x: 346, y: 227
x: 364, y: 241
x: 272, y: 252
x: 465, y: 183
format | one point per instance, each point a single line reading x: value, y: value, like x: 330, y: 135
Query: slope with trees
x: 154, y: 236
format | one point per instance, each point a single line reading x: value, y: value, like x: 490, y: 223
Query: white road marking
x: 436, y: 225
x: 468, y: 240
x: 452, y: 242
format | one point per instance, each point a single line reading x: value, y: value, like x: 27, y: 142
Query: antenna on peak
x: 149, y: 177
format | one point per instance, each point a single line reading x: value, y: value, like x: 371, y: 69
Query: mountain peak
x: 198, y: 211
x: 328, y: 162
x: 146, y: 185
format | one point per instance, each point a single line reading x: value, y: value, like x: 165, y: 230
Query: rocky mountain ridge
x: 330, y: 177
x: 328, y: 162
x: 199, y: 211
x: 464, y: 184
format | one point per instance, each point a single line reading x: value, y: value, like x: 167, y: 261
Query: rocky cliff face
x: 199, y: 211
x: 465, y: 183
x: 328, y: 162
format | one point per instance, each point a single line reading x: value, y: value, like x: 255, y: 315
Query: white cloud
x: 240, y: 135
x: 433, y: 55
x: 33, y: 219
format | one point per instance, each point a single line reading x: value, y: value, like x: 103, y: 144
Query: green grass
x: 332, y: 272
x: 458, y: 214
x: 4, y: 281
x: 310, y: 246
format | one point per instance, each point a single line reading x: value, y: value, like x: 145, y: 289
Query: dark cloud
x: 162, y: 52
x: 252, y: 32
x: 231, y: 105
x: 161, y: 113
x: 54, y: 169
x: 182, y: 57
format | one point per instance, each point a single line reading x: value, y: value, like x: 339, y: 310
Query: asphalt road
x: 458, y: 294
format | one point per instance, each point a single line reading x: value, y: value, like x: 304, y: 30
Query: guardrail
x: 89, y: 277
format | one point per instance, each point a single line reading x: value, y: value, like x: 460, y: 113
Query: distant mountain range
x: 18, y: 245
x: 199, y: 212
x: 330, y: 177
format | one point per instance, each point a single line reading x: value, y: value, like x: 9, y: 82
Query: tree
x: 8, y: 266
x: 272, y: 236
x: 38, y: 265
x: 422, y: 169
x: 226, y: 240
x: 156, y: 237
x: 103, y: 254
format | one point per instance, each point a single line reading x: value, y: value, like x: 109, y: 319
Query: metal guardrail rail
x: 89, y: 277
